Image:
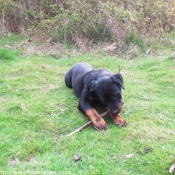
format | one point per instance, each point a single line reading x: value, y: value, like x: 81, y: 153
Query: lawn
x: 38, y: 110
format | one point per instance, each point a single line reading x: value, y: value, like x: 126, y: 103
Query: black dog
x: 97, y: 85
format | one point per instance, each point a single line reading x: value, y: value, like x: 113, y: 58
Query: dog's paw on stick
x: 85, y: 125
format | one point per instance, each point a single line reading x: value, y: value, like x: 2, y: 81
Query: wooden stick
x: 85, y: 125
x: 172, y: 169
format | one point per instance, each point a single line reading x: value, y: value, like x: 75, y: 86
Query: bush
x: 86, y: 22
x: 135, y: 38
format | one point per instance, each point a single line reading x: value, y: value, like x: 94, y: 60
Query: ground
x: 38, y: 111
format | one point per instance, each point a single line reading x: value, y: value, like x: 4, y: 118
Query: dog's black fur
x: 100, y: 86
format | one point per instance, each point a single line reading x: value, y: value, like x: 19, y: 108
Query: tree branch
x: 3, y: 19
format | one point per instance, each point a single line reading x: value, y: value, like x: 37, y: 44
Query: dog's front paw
x: 96, y: 119
x: 120, y: 122
x: 100, y: 125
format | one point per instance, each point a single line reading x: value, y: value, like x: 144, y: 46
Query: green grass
x: 10, y: 39
x: 38, y: 110
x: 7, y: 54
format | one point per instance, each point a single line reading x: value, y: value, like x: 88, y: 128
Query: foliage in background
x: 86, y: 22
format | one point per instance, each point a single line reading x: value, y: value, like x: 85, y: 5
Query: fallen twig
x: 148, y: 51
x: 84, y: 126
x: 172, y: 168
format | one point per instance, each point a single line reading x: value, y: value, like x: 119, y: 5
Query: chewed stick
x: 172, y: 169
x: 85, y: 125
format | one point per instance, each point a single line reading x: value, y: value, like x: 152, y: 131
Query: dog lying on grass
x: 97, y: 86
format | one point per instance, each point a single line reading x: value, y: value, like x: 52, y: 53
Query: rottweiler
x: 99, y: 86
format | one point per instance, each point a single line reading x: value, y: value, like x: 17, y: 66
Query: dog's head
x: 108, y: 92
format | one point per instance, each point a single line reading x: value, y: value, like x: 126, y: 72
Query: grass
x: 38, y: 110
x: 6, y: 54
x: 9, y: 39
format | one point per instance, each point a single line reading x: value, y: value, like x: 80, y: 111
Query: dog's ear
x: 118, y: 79
x: 93, y: 84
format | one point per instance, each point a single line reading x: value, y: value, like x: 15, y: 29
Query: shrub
x: 86, y: 22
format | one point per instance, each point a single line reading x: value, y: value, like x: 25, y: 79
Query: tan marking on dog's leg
x: 117, y: 119
x: 96, y: 119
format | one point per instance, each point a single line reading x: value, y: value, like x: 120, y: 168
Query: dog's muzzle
x: 117, y: 109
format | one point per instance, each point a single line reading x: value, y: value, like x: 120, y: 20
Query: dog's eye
x: 103, y: 101
x: 113, y: 97
x: 116, y: 96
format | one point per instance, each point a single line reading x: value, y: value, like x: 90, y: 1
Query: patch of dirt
x: 13, y: 161
x: 118, y: 50
x: 36, y: 47
x: 30, y: 47
x: 31, y: 159
x: 41, y: 46
x: 57, y: 50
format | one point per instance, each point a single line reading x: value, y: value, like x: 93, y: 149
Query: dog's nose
x: 115, y: 111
